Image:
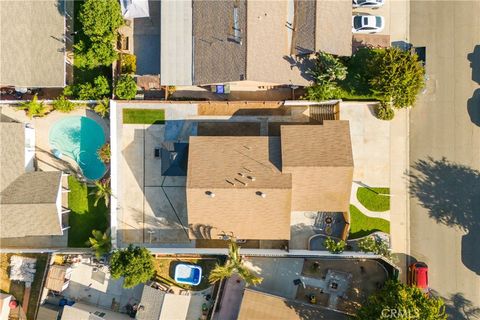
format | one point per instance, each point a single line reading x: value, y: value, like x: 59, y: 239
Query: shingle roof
x: 31, y: 45
x: 12, y: 152
x: 326, y: 145
x: 33, y: 188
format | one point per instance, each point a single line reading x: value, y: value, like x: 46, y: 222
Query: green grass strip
x: 374, y: 199
x: 362, y: 225
x: 143, y: 116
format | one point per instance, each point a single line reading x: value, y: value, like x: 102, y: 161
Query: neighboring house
x: 4, y: 305
x: 250, y: 187
x: 32, y: 45
x: 31, y: 204
x: 82, y: 311
x: 256, y: 41
x: 159, y: 305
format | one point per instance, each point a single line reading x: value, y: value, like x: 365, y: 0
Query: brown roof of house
x: 56, y: 277
x: 257, y: 305
x: 228, y: 162
x: 32, y: 50
x: 12, y: 152
x: 326, y: 145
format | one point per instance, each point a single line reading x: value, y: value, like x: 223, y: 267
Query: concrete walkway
x: 373, y: 214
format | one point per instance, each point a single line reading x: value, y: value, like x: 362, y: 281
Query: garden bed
x: 362, y: 225
x: 165, y: 271
x: 84, y: 216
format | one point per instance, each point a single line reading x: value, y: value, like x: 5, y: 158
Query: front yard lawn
x: 374, y: 199
x: 362, y: 225
x: 144, y: 116
x: 84, y: 217
x: 17, y: 288
x: 165, y: 271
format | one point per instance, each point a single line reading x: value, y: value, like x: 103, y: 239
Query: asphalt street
x: 445, y: 152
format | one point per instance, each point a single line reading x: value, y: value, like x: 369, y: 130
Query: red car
x: 419, y: 276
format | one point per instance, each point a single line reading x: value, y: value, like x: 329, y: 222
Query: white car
x: 373, y: 4
x: 367, y: 24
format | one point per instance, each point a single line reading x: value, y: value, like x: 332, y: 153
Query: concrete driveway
x: 445, y: 123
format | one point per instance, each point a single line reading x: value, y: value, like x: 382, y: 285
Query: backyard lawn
x: 143, y: 116
x: 362, y: 225
x: 84, y: 217
x: 374, y: 199
x: 17, y: 288
x: 165, y: 271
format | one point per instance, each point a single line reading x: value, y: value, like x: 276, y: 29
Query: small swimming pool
x: 188, y: 274
x: 79, y: 138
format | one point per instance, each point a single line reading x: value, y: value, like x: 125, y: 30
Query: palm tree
x: 101, y: 242
x: 33, y: 108
x: 102, y: 191
x: 104, y: 153
x: 234, y: 265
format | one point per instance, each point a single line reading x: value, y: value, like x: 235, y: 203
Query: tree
x: 327, y: 68
x: 129, y: 63
x: 126, y: 88
x: 99, y: 89
x: 100, y: 243
x: 404, y: 302
x: 135, y: 264
x: 104, y: 153
x: 103, y: 107
x: 398, y: 76
x: 321, y: 92
x: 62, y: 104
x: 234, y: 265
x: 102, y: 191
x: 334, y: 246
x: 33, y: 108
x: 90, y: 55
x: 101, y: 19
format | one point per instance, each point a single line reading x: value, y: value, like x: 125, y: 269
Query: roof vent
x: 251, y: 178
x: 261, y: 194
x: 228, y: 181
x: 241, y: 174
x: 247, y: 169
x: 210, y: 194
x: 244, y: 183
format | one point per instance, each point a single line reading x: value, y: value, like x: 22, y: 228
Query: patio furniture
x: 188, y: 274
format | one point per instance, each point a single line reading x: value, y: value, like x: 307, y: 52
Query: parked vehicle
x: 367, y: 24
x: 373, y: 4
x: 418, y: 276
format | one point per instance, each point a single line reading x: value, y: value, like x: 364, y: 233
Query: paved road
x: 446, y: 123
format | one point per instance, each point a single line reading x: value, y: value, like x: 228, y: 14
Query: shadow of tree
x: 474, y: 58
x: 473, y: 104
x: 460, y: 308
x: 451, y: 194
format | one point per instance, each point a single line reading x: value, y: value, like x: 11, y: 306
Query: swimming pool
x: 79, y: 138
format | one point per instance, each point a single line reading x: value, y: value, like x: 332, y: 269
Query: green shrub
x: 103, y: 107
x: 125, y: 88
x: 333, y: 246
x: 33, y: 108
x: 99, y: 89
x: 62, y: 104
x: 384, y: 112
x: 129, y: 63
x: 375, y: 245
x: 94, y: 55
x: 322, y: 92
x: 104, y: 153
x: 101, y: 19
x: 327, y: 68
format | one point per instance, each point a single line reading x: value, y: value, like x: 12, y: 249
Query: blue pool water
x: 79, y: 138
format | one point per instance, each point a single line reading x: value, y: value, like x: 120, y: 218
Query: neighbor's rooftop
x: 32, y: 49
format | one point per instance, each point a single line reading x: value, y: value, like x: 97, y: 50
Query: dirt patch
x: 243, y: 109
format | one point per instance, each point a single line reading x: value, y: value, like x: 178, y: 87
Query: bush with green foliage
x: 334, y: 246
x: 384, y: 112
x: 125, y: 88
x: 103, y: 107
x: 398, y: 76
x: 101, y: 19
x: 129, y: 63
x: 322, y: 92
x: 104, y: 153
x: 135, y: 264
x: 327, y: 68
x: 94, y: 54
x: 407, y: 302
x: 33, y: 108
x: 88, y: 91
x: 374, y: 245
x: 62, y: 104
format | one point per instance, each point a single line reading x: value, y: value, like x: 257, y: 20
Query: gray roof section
x: 152, y: 300
x: 176, y: 42
x: 304, y: 21
x: 333, y: 27
x: 218, y: 57
x: 31, y: 46
x: 33, y: 188
x: 12, y: 152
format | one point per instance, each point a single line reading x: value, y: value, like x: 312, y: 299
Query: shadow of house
x: 460, y: 308
x: 451, y: 194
